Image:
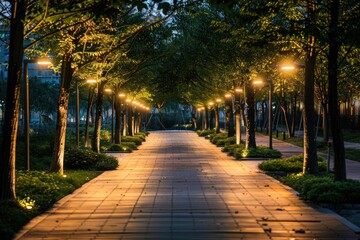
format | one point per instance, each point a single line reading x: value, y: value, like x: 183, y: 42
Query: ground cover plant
x: 321, y: 189
x: 239, y: 151
x: 37, y: 191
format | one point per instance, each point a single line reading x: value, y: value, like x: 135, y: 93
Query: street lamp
x: 40, y: 61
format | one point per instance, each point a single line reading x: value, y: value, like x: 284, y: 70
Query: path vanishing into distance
x: 180, y: 186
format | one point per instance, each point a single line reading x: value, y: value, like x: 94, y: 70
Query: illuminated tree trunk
x: 118, y: 119
x: 310, y: 164
x: 10, y: 129
x: 87, y: 121
x: 98, y: 117
x: 57, y: 164
x: 217, y: 119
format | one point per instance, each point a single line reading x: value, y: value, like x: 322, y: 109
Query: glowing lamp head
x: 91, y: 81
x: 228, y: 95
x: 238, y: 90
x: 218, y: 100
x: 288, y: 68
x: 258, y: 82
x: 122, y: 95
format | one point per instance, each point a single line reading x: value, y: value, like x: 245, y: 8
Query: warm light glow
x: 288, y: 68
x: 29, y: 207
x: 64, y: 176
x: 91, y: 81
x: 44, y: 61
x: 218, y: 100
x: 128, y: 100
x: 211, y: 103
x: 122, y: 95
x: 227, y: 95
x: 238, y: 90
x: 108, y: 90
x: 202, y: 108
x: 199, y: 109
x: 258, y: 82
x: 147, y: 108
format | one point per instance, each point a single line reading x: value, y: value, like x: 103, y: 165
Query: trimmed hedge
x: 323, y: 188
x: 84, y: 159
x: 290, y: 165
x: 135, y: 139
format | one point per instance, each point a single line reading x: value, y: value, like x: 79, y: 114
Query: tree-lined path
x: 179, y: 186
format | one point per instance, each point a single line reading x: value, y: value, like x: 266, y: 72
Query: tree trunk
x: 98, y: 117
x: 130, y: 121
x: 237, y: 117
x: 325, y: 122
x: 10, y: 128
x: 334, y: 46
x: 293, y: 115
x: 124, y: 122
x: 118, y: 119
x: 57, y: 164
x: 206, y: 126
x: 229, y: 117
x: 217, y: 121
x: 250, y: 119
x: 193, y: 117
x: 87, y: 123
x: 310, y: 164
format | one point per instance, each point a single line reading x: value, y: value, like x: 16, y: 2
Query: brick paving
x: 179, y: 186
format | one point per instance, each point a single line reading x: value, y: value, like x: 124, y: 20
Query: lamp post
x: 211, y: 122
x: 270, y: 112
x: 40, y: 61
x: 123, y: 114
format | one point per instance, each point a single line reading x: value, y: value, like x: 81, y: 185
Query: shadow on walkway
x: 179, y: 186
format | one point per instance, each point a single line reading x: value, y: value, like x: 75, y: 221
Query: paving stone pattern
x: 179, y: 186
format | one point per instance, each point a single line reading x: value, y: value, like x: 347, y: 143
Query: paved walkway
x: 178, y: 186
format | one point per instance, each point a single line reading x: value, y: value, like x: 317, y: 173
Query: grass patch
x: 39, y: 190
x: 353, y: 154
x: 351, y: 136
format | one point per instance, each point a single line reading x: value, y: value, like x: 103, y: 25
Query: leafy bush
x: 130, y: 145
x: 85, y: 159
x: 42, y: 190
x: 261, y: 152
x: 323, y: 188
x: 204, y: 133
x: 216, y: 137
x: 121, y: 147
x: 137, y: 140
x: 233, y: 148
x: 290, y: 165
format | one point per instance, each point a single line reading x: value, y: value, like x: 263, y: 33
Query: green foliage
x: 259, y: 152
x: 84, y: 159
x: 135, y: 139
x: 122, y: 147
x: 41, y: 190
x: 216, y: 137
x: 290, y: 165
x: 226, y: 141
x: 204, y: 133
x: 324, y: 189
